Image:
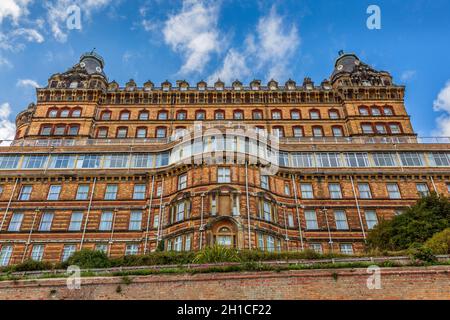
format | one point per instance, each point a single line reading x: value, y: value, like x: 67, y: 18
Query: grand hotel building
x: 100, y: 166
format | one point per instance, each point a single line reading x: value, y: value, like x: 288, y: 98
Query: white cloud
x: 442, y: 103
x: 408, y: 75
x: 5, y: 63
x: 234, y: 67
x: 57, y: 14
x: 27, y: 83
x: 7, y: 128
x: 193, y: 32
x: 13, y: 9
x: 269, y: 50
x: 30, y: 35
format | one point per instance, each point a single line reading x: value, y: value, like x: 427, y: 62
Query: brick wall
x: 344, y: 284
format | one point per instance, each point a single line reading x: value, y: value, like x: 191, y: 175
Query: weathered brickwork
x: 346, y: 284
x: 53, y: 207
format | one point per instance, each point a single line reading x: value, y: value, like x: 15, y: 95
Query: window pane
x: 341, y: 220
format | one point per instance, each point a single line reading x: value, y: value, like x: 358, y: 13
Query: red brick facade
x: 363, y: 163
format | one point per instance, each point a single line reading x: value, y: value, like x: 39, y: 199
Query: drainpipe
x: 201, y: 222
x: 285, y: 228
x: 9, y: 204
x: 160, y: 212
x: 112, y: 231
x: 434, y: 186
x: 358, y: 208
x: 325, y: 211
x: 248, y: 206
x: 88, y: 212
x: 29, y: 235
x: 298, y: 213
x: 149, y: 213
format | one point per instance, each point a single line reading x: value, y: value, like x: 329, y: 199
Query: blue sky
x: 195, y: 40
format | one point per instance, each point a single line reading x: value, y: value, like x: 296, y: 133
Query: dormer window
x: 73, y: 85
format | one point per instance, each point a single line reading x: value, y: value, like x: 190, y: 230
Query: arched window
x: 181, y: 115
x: 395, y: 128
x: 317, y: 131
x: 295, y: 114
x: 380, y: 128
x: 73, y: 130
x: 105, y: 115
x: 141, y: 132
x: 375, y: 111
x: 364, y: 111
x: 46, y: 130
x: 278, y: 131
x: 160, y: 132
x: 200, y: 115
x: 125, y: 115
x: 367, y: 128
x: 143, y: 115
x: 60, y: 130
x: 314, y: 114
x: 102, y: 132
x: 277, y: 114
x: 298, y: 131
x: 219, y: 115
x: 122, y: 132
x: 257, y: 114
x: 337, y: 131
x: 180, y: 132
x: 238, y: 115
x: 162, y: 115
x: 64, y: 113
x: 52, y: 112
x: 333, y: 114
x: 388, y: 111
x: 76, y: 113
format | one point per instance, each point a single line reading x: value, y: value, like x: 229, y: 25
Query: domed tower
x: 67, y: 106
x: 93, y: 63
x: 349, y: 70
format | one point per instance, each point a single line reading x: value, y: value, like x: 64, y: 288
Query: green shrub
x: 423, y: 254
x: 419, y: 223
x: 216, y: 254
x: 155, y: 258
x: 89, y: 259
x: 440, y: 242
x: 30, y: 265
